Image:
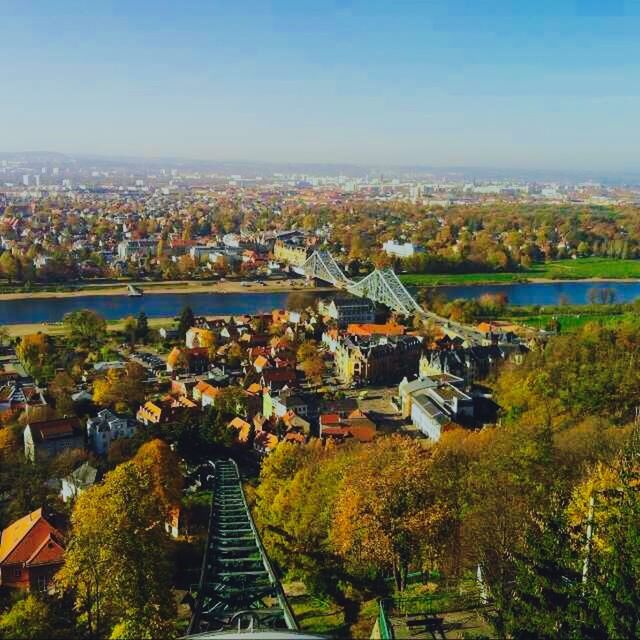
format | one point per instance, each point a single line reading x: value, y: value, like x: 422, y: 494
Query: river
x: 36, y: 310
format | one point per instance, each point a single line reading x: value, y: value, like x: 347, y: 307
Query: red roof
x: 31, y: 540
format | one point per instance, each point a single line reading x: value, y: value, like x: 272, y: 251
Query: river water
x: 35, y: 310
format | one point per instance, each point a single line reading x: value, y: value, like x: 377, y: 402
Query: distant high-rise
x: 25, y: 180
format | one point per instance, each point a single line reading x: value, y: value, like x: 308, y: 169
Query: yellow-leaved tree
x: 160, y: 463
x: 386, y: 512
x: 116, y: 559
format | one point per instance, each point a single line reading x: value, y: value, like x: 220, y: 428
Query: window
x: 42, y: 583
x: 17, y: 573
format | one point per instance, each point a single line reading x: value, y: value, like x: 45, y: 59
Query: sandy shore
x: 281, y: 286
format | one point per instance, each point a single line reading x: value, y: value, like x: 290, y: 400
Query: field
x: 570, y: 322
x: 579, y: 269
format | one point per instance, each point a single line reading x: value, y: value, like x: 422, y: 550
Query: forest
x: 514, y: 503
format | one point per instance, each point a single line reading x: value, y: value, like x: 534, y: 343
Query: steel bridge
x: 383, y: 286
x: 238, y: 589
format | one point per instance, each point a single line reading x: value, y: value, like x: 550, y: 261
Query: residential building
x: 130, y: 248
x: 78, y: 481
x: 347, y: 310
x: 31, y: 553
x: 293, y: 253
x: 397, y: 250
x: 356, y: 425
x: 51, y: 437
x: 376, y: 360
x: 106, y: 427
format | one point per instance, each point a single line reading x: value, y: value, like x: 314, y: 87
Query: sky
x: 546, y: 84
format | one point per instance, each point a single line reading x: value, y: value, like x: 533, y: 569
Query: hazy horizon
x: 444, y: 84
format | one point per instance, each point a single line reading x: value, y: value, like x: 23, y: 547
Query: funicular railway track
x: 238, y: 589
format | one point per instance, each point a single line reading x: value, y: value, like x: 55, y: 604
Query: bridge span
x: 382, y: 286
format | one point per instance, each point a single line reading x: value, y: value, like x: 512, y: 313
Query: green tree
x: 186, y: 321
x: 142, y: 327
x: 85, y: 327
x: 28, y: 619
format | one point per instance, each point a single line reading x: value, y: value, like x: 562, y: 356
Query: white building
x: 107, y: 427
x: 130, y: 248
x: 434, y: 402
x: 393, y: 248
x: 78, y: 481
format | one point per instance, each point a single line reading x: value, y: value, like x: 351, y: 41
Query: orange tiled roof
x: 26, y: 541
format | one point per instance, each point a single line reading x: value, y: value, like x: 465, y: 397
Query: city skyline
x: 445, y: 84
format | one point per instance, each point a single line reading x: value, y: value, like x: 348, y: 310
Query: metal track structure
x: 238, y: 589
x: 383, y: 285
x: 322, y: 265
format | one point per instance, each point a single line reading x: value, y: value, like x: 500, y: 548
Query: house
x: 194, y: 360
x: 286, y: 401
x: 347, y: 310
x: 78, y: 481
x: 277, y: 379
x: 31, y: 553
x: 199, y: 337
x: 376, y: 359
x: 106, y: 427
x: 471, y: 364
x: 50, y: 437
x: 17, y: 396
x: 242, y: 429
x: 367, y: 330
x: 164, y: 410
x: 168, y: 333
x: 205, y: 394
x: 356, y: 425
x: 265, y: 442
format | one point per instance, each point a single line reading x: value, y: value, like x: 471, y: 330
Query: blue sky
x: 545, y: 84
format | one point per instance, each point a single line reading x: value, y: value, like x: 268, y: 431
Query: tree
x: 161, y: 464
x: 120, y: 573
x: 121, y: 387
x: 29, y: 618
x: 61, y: 389
x: 386, y: 513
x: 85, y: 327
x: 186, y: 321
x: 548, y: 599
x: 9, y: 266
x: 142, y: 327
x: 308, y: 349
x: 313, y: 367
x: 130, y: 329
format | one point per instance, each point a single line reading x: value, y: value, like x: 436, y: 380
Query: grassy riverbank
x: 579, y: 269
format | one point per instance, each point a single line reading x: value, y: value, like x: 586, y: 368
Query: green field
x: 579, y: 269
x: 570, y: 322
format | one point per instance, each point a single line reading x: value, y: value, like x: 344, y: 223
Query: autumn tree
x: 156, y: 459
x: 120, y: 572
x: 386, y: 514
x: 61, y: 389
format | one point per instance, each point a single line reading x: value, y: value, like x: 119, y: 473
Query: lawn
x: 578, y: 269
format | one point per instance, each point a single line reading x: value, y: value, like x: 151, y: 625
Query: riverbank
x: 190, y: 286
x: 596, y: 270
